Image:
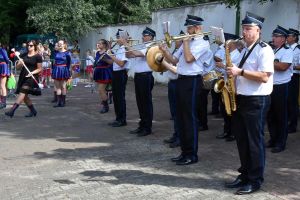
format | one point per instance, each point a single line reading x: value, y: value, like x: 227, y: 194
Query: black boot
x: 54, y: 98
x: 105, y: 107
x: 63, y: 100
x: 32, y: 112
x: 11, y: 112
x: 59, y: 101
x: 3, y: 102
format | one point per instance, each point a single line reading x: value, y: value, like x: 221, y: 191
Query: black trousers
x: 119, y: 81
x: 293, y: 105
x: 277, y: 116
x: 248, y: 127
x: 187, y: 104
x: 203, y: 107
x: 172, y: 103
x: 215, y: 103
x: 143, y: 83
x: 227, y: 119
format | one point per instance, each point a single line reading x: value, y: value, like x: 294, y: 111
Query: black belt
x: 189, y: 76
x: 143, y: 73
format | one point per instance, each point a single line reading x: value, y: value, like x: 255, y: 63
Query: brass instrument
x: 227, y: 88
x: 154, y: 54
x: 130, y: 41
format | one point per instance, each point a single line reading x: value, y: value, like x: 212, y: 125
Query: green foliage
x: 236, y: 3
x: 67, y: 18
x: 12, y: 18
x: 73, y: 18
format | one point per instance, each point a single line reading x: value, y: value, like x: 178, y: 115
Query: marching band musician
x: 174, y: 140
x: 143, y: 82
x: 277, y: 116
x: 192, y: 59
x: 119, y: 81
x: 293, y: 106
x: 254, y: 84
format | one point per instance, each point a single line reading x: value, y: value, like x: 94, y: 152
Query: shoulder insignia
x: 206, y: 37
x: 262, y: 44
x: 286, y: 47
x: 298, y: 46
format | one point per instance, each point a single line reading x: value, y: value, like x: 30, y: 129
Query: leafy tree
x: 67, y: 18
x: 12, y: 18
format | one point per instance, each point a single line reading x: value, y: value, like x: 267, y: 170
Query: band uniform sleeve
x: 179, y: 52
x: 266, y: 60
x: 199, y: 48
x: 287, y: 57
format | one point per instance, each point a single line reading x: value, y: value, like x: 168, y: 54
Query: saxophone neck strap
x: 246, y: 55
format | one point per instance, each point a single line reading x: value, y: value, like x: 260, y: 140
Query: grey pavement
x: 71, y: 153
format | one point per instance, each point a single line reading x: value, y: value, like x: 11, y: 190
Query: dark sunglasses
x: 30, y: 45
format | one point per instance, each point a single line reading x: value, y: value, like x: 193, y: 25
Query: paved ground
x: 70, y: 153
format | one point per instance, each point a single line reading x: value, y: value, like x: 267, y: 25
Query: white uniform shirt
x: 296, y: 57
x: 261, y: 59
x: 141, y: 64
x: 286, y: 56
x: 120, y: 55
x: 200, y: 49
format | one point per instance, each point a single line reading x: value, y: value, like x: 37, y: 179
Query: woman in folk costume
x: 27, y: 84
x: 103, y: 72
x: 61, y: 73
x: 4, y: 73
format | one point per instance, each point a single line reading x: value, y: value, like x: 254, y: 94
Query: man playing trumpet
x: 191, y: 59
x: 143, y: 81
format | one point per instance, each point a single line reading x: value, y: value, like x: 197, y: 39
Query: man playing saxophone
x: 254, y: 84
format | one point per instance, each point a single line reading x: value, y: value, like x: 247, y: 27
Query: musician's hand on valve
x: 163, y: 47
x: 233, y: 71
x: 220, y: 65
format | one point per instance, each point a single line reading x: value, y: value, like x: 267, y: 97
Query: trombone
x: 168, y: 40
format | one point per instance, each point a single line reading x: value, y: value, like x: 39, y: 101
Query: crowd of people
x: 265, y: 87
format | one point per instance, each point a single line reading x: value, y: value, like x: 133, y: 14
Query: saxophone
x: 227, y: 88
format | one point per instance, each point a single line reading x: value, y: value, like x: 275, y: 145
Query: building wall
x: 280, y: 12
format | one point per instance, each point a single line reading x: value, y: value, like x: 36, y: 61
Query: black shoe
x: 170, y: 140
x: 248, y: 189
x: 277, y: 149
x: 203, y: 128
x: 238, y: 182
x: 174, y: 144
x: 144, y: 133
x: 136, y: 131
x: 175, y: 159
x: 31, y: 114
x: 187, y: 161
x: 230, y: 138
x: 9, y: 113
x: 222, y: 136
x: 119, y: 124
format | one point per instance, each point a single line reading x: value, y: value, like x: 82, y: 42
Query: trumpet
x: 169, y: 39
x: 130, y: 41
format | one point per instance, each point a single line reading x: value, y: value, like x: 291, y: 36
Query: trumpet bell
x: 153, y: 57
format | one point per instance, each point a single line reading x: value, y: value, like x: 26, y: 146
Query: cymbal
x: 153, y: 55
